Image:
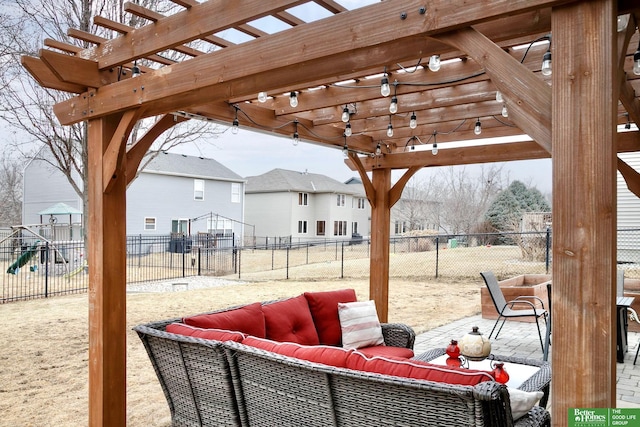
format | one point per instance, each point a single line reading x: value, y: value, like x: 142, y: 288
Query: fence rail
x: 34, y: 269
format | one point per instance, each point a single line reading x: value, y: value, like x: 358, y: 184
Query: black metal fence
x: 33, y: 269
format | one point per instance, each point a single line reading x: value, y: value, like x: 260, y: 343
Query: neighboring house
x: 174, y: 194
x: 628, y: 215
x: 305, y: 206
x: 414, y: 213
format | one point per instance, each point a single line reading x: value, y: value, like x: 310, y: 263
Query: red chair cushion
x: 248, y: 319
x: 387, y: 351
x: 208, y: 334
x: 324, y: 310
x: 416, y: 369
x: 332, y: 356
x: 290, y: 320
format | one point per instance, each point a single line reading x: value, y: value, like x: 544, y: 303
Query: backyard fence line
x: 33, y: 269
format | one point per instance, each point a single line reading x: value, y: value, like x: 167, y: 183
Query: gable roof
x: 281, y: 180
x: 190, y: 166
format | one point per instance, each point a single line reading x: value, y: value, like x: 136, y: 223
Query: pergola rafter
x: 338, y: 62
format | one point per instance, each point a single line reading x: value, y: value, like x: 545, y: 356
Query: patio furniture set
x: 323, y: 359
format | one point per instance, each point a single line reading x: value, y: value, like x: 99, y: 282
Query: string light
x: 478, y: 128
x: 296, y: 137
x: 293, y: 99
x: 262, y: 96
x: 345, y: 114
x: 378, y: 149
x: 390, y: 128
x: 434, y: 63
x: 628, y: 124
x: 135, y: 71
x: 347, y: 129
x: 505, y: 112
x: 345, y: 151
x: 636, y: 61
x: 236, y: 125
x: 498, y: 96
x: 385, y: 89
x: 393, y: 107
x: 413, y: 123
x: 546, y: 62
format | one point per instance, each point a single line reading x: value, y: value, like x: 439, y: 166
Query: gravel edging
x: 180, y: 284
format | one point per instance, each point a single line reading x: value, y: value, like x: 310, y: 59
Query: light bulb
x: 636, y: 62
x: 498, y: 96
x: 623, y: 20
x: 135, y: 71
x: 345, y: 151
x: 378, y: 150
x: 505, y: 112
x: 434, y: 63
x: 262, y: 96
x: 235, y: 127
x: 478, y: 129
x: 434, y: 149
x: 390, y: 130
x: 385, y: 89
x: 296, y: 138
x: 413, y: 147
x: 393, y: 107
x: 546, y: 64
x: 413, y: 123
x: 345, y: 115
x: 293, y: 99
x: 347, y: 130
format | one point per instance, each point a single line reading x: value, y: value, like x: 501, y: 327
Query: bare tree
x: 464, y: 197
x: 10, y: 191
x: 26, y: 107
x: 418, y: 207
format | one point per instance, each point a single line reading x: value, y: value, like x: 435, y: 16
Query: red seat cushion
x: 208, y: 334
x: 416, y: 369
x: 387, y: 351
x: 332, y: 356
x: 290, y: 320
x: 324, y: 310
x: 248, y: 319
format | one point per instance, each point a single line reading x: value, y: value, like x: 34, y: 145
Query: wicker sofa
x: 214, y: 383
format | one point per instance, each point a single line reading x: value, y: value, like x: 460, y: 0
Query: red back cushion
x: 324, y: 310
x: 290, y: 320
x: 417, y: 370
x: 248, y: 319
x: 332, y: 356
x: 387, y: 351
x: 208, y: 334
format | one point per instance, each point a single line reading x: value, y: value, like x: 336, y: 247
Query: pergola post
x: 380, y: 232
x: 585, y: 93
x: 107, y: 280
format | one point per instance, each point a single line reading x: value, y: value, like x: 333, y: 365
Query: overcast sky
x: 251, y: 153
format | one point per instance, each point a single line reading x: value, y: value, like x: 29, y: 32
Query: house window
x: 400, y: 227
x: 359, y: 201
x: 339, y: 228
x: 302, y: 227
x: 149, y: 223
x: 180, y: 226
x: 354, y: 228
x: 235, y: 192
x: 198, y: 189
x: 303, y: 199
x: 320, y: 225
x: 341, y: 198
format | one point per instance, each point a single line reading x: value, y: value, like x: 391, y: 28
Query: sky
x: 252, y: 153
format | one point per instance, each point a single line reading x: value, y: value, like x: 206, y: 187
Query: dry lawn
x: 43, y: 361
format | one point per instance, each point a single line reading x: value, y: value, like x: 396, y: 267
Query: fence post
x: 140, y: 251
x: 273, y: 255
x: 342, y: 263
x: 199, y: 263
x: 184, y: 247
x: 307, y: 253
x: 287, y: 262
x: 437, y: 255
x: 547, y: 257
x: 46, y: 270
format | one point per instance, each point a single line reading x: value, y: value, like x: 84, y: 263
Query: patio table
x: 527, y: 374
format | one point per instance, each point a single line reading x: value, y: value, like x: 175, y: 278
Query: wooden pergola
x: 337, y: 64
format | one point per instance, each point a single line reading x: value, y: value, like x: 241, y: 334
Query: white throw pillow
x: 360, y: 325
x: 522, y: 401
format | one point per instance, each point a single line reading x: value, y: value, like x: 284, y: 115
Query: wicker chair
x: 633, y: 316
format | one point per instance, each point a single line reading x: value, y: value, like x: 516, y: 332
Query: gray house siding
x: 628, y: 214
x: 265, y: 211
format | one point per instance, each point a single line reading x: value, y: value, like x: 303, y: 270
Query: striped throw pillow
x: 360, y: 325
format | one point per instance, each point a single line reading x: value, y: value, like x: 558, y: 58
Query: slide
x: 23, y: 258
